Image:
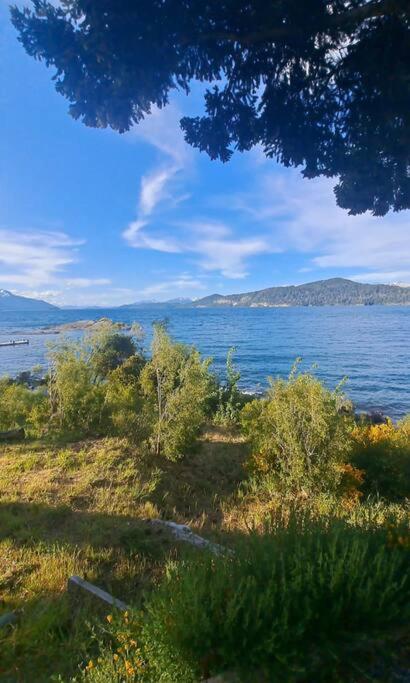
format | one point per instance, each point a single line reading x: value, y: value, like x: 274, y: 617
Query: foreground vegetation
x: 310, y: 502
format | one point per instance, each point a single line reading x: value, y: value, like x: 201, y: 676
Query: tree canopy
x: 321, y: 84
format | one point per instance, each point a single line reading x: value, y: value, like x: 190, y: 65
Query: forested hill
x: 334, y: 292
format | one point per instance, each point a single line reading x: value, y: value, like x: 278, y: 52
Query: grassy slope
x: 83, y: 509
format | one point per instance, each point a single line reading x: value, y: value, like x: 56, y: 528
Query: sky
x: 92, y: 217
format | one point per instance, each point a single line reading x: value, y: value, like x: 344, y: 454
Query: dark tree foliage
x: 322, y: 84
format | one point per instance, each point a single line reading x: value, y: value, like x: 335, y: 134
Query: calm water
x: 370, y: 345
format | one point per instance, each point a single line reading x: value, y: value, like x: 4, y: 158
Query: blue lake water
x: 369, y: 345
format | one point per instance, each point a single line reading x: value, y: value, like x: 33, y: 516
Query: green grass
x: 84, y: 508
x: 292, y: 604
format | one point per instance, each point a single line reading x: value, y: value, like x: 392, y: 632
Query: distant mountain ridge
x: 11, y: 302
x: 332, y: 292
x: 179, y: 301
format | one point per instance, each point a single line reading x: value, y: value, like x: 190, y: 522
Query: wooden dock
x: 15, y: 342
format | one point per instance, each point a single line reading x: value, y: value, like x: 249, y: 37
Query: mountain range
x: 333, y: 292
x: 12, y: 302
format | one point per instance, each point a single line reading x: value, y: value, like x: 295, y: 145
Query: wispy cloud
x: 303, y: 217
x: 183, y: 284
x: 211, y: 244
x: 162, y: 131
x: 85, y: 282
x: 32, y: 258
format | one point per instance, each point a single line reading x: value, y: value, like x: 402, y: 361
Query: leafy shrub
x: 229, y: 397
x: 298, y: 434
x: 176, y: 386
x: 76, y: 395
x: 382, y: 451
x: 124, y: 400
x: 93, y: 383
x: 110, y: 348
x: 20, y: 406
x: 286, y: 606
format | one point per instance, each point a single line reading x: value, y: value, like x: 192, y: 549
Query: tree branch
x: 369, y: 10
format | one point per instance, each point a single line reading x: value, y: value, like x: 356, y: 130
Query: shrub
x: 93, y: 383
x: 229, y: 397
x: 124, y: 400
x: 383, y: 452
x: 110, y: 348
x: 76, y: 396
x: 298, y: 434
x: 20, y: 406
x: 290, y: 605
x: 176, y: 384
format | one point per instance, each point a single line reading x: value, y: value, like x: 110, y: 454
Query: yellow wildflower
x: 109, y: 618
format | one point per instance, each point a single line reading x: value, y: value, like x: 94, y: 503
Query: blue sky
x: 92, y: 217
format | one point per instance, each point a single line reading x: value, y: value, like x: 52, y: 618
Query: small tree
x: 298, y: 435
x: 176, y: 384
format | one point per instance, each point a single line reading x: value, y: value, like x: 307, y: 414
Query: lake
x: 370, y: 345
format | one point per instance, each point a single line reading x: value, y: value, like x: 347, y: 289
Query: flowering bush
x: 383, y: 452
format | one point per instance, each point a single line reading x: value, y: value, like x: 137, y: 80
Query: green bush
x: 230, y: 400
x: 176, y: 383
x: 76, y: 395
x: 92, y: 383
x: 289, y: 605
x: 20, y: 406
x: 298, y: 434
x: 125, y: 402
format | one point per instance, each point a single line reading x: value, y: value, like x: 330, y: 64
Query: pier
x: 15, y: 342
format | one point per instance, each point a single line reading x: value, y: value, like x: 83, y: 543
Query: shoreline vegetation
x: 311, y: 501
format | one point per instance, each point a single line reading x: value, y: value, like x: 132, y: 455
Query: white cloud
x: 181, y: 285
x: 161, y: 130
x: 388, y: 277
x: 32, y: 263
x: 140, y: 239
x: 83, y: 282
x: 211, y: 244
x: 154, y: 189
x: 31, y: 258
x: 303, y: 217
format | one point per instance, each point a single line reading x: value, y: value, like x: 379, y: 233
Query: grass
x: 84, y: 508
x: 287, y: 606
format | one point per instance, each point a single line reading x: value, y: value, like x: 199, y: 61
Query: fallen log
x: 13, y: 435
x: 81, y: 590
x: 183, y: 533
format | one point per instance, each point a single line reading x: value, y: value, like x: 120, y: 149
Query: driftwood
x: 13, y: 435
x: 80, y: 591
x: 183, y: 533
